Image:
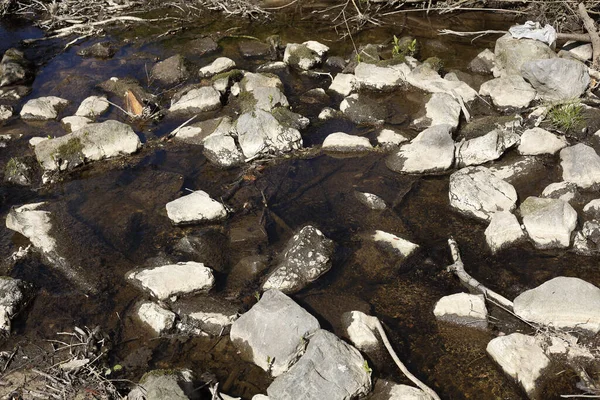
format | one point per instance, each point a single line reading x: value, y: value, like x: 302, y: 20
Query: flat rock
x: 361, y: 329
x: 304, y: 56
x: 431, y: 151
x: 222, y: 150
x: 198, y: 132
x: 159, y: 319
x: 566, y: 191
x: 485, y: 148
x: 476, y: 192
x: 171, y: 71
x: 388, y: 138
x: 202, y: 46
x: 92, y: 107
x: 75, y: 123
x: 580, y: 165
x: 362, y: 109
x: 195, y: 208
x: 549, y: 222
x: 254, y: 49
x: 93, y: 142
x: 462, y: 309
x: 306, y: 257
x: 343, y: 142
x: 272, y: 333
x: 218, y: 66
x: 400, y: 247
x: 427, y: 79
x: 375, y: 77
x: 42, y: 108
x: 330, y: 369
x: 508, y: 91
x: 520, y: 357
x: 371, y: 200
x: 557, y: 79
x: 441, y: 109
x: 344, y: 84
x: 512, y: 53
x: 206, y: 98
x: 174, y: 279
x: 503, y: 231
x: 385, y: 390
x: 536, y: 141
x: 563, y: 303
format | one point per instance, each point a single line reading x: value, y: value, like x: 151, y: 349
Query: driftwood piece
x: 590, y: 27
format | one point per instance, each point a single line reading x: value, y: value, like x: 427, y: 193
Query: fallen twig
x: 590, y: 27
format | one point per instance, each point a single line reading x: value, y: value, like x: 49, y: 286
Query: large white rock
x: 485, y: 148
x: 340, y: 141
x: 92, y: 107
x: 330, y: 369
x: 401, y: 247
x: 580, y: 165
x: 361, y: 329
x: 425, y: 78
x: 520, y: 357
x: 431, y: 151
x: 441, y: 109
x: 206, y: 98
x: 562, y: 302
x: 91, y: 143
x: 371, y: 76
x: 512, y: 53
x: 174, y: 279
x: 221, y: 64
x: 75, y: 123
x: 508, y: 91
x: 158, y: 318
x: 221, y: 149
x: 557, y: 79
x: 43, y: 108
x: 462, y: 309
x: 503, y: 231
x: 549, y: 222
x: 272, y: 333
x: 475, y: 192
x: 536, y: 141
x: 343, y: 84
x: 194, y: 208
x: 566, y: 191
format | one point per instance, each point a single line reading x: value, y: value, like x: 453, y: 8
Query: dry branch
x: 590, y: 27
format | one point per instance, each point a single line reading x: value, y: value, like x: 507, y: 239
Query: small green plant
x: 366, y: 367
x: 257, y: 295
x: 401, y: 49
x: 567, y: 116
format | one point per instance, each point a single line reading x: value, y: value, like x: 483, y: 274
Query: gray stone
x: 19, y: 171
x: 521, y: 357
x: 483, y: 63
x: 267, y: 99
x: 260, y: 133
x: 15, y: 68
x: 557, y: 79
x: 566, y: 191
x: 475, y: 192
x: 183, y: 278
x: 252, y: 81
x: 462, y: 309
x: 75, y: 123
x: 93, y: 142
x: 42, y: 108
x: 508, y: 91
x: 254, y: 49
x: 441, y: 109
x: 5, y: 113
x: 371, y: 200
x: 385, y: 390
x: 92, y: 107
x: 485, y: 148
x: 503, y: 231
x: 563, y: 303
x: 512, y: 53
x: 580, y: 165
x: 401, y: 248
x: 218, y: 66
x: 361, y: 109
x: 343, y: 142
x: 549, y: 222
x: 305, y: 56
x: 195, y: 208
x: 536, y: 141
x: 170, y: 71
x: 272, y: 66
x: 592, y: 209
x: 221, y: 149
x: 587, y: 241
x: 306, y: 257
x: 512, y: 170
x: 98, y: 50
x: 14, y: 296
x: 159, y: 319
x: 272, y: 334
x: 361, y: 329
x: 330, y: 369
x: 202, y: 315
x: 431, y: 151
x: 343, y: 84
x: 371, y: 76
x: 427, y: 79
x: 390, y: 138
x: 202, y: 46
x: 198, y: 132
x: 165, y: 384
x: 582, y: 52
x: 206, y: 98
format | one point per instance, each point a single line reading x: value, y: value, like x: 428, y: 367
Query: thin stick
x: 402, y: 367
x: 590, y: 26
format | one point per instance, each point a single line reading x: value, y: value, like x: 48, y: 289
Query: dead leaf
x: 132, y: 104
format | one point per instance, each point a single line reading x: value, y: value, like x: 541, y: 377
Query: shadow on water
x: 112, y: 217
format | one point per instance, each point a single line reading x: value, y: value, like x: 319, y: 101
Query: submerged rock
x: 42, y: 108
x: 476, y: 192
x: 165, y: 384
x: 441, y: 109
x: 91, y: 143
x: 98, y: 50
x: 431, y: 151
x: 508, y: 91
x: 206, y: 315
x: 549, y: 222
x: 563, y: 303
x: 305, y: 56
x: 580, y: 165
x: 195, y: 208
x: 206, y: 98
x: 171, y: 71
x: 92, y: 107
x: 221, y: 149
x: 330, y: 369
x: 371, y: 200
x: 536, y: 141
x: 557, y: 79
x: 343, y: 142
x: 272, y: 334
x: 15, y: 69
x: 512, y: 53
x: 159, y: 319
x: 14, y: 296
x: 398, y: 246
x: 389, y: 138
x: 306, y: 257
x: 503, y: 231
x: 361, y: 109
x: 218, y: 66
x: 520, y: 357
x: 462, y: 309
x: 173, y: 280
x: 361, y: 329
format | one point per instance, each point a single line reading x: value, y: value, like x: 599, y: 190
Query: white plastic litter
x: 533, y: 30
